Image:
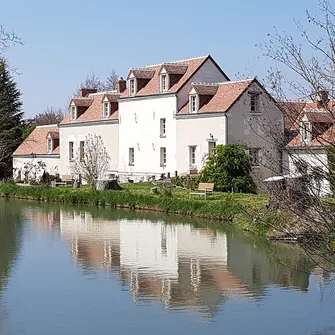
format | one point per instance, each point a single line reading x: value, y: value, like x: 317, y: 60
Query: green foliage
x: 229, y: 169
x: 189, y: 182
x: 26, y: 131
x: 10, y: 119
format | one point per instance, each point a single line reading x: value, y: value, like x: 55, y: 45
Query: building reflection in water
x: 179, y: 265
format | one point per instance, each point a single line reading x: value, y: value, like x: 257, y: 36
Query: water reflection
x: 177, y: 264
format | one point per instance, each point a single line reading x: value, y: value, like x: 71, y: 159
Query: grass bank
x: 245, y: 211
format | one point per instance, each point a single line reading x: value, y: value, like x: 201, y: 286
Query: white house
x: 165, y: 119
x: 312, y: 131
x: 38, y: 153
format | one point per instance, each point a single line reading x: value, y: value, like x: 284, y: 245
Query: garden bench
x: 66, y: 179
x: 203, y: 189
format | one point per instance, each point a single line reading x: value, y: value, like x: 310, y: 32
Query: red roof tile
x: 291, y: 111
x: 142, y: 73
x: 153, y: 86
x: 226, y: 95
x: 82, y: 102
x: 205, y: 89
x: 320, y: 117
x: 53, y: 134
x: 36, y: 143
x: 94, y: 111
x: 174, y: 68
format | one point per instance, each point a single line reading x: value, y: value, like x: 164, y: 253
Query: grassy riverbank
x: 245, y: 211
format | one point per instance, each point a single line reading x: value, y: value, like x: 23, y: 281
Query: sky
x: 66, y: 40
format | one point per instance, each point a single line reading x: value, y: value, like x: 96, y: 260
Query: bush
x: 229, y: 168
x: 189, y: 182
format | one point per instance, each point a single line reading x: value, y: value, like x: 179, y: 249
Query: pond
x: 81, y: 270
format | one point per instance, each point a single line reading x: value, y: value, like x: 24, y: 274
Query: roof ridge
x: 101, y: 93
x: 236, y: 81
x: 178, y: 61
x: 202, y: 83
x: 47, y: 126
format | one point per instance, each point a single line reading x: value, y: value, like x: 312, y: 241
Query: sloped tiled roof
x: 36, y: 143
x: 174, y: 68
x: 153, y: 86
x: 320, y: 117
x: 291, y: 111
x: 53, y: 134
x: 205, y: 89
x: 226, y: 95
x: 82, y: 102
x: 94, y: 111
x: 143, y: 73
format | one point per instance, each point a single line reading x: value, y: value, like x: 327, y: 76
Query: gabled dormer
x: 138, y: 79
x: 109, y: 105
x: 170, y: 74
x: 52, y: 141
x: 305, y: 130
x: 78, y: 106
x: 200, y: 95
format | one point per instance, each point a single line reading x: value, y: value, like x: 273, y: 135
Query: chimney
x: 322, y: 99
x: 121, y: 85
x: 84, y: 92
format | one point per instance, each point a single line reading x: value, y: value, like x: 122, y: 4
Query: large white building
x: 165, y: 119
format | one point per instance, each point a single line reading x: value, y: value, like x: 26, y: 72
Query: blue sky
x: 66, y: 40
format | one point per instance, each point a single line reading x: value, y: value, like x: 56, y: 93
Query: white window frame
x: 162, y: 127
x: 132, y: 86
x: 81, y: 150
x: 255, y: 155
x: 254, y: 102
x: 50, y: 145
x: 74, y: 113
x: 305, y: 132
x: 131, y: 152
x: 106, y: 111
x: 192, y: 155
x: 71, y: 150
x: 193, y: 103
x: 164, y: 82
x: 163, y: 156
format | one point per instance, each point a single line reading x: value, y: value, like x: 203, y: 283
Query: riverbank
x: 245, y: 211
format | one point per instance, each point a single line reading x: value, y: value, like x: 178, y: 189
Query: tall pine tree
x: 10, y: 119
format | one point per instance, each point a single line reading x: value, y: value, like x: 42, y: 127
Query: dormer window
x: 50, y: 145
x: 305, y: 132
x: 106, y: 109
x: 193, y: 103
x: 73, y: 113
x: 132, y: 88
x: 164, y: 82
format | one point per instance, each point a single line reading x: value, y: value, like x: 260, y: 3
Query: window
x: 162, y: 127
x: 254, y: 102
x: 254, y: 153
x: 71, y: 152
x: 73, y: 112
x: 132, y: 86
x: 211, y: 147
x: 131, y: 156
x: 193, y: 103
x: 50, y: 145
x: 192, y: 155
x: 305, y: 132
x: 164, y: 83
x: 106, y: 109
x: 163, y: 157
x: 82, y: 150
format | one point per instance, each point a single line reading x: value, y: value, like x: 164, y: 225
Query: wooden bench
x: 66, y: 179
x: 203, y: 189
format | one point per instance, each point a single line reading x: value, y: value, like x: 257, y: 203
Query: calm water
x: 76, y: 270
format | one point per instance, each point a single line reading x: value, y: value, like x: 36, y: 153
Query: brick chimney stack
x: 84, y: 92
x: 121, y: 85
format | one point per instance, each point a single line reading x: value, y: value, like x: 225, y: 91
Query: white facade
x: 140, y: 129
x: 314, y: 158
x: 32, y: 168
x: 77, y: 132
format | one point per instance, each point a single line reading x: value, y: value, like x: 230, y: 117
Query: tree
x: 229, y: 168
x: 304, y: 69
x: 10, y: 119
x: 6, y: 39
x: 92, y: 160
x: 50, y: 116
x: 111, y: 81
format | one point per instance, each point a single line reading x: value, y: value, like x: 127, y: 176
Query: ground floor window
x: 131, y: 156
x: 162, y: 156
x: 211, y: 147
x: 192, y: 150
x: 71, y: 151
x: 254, y: 153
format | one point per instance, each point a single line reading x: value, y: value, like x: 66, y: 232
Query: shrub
x: 229, y: 168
